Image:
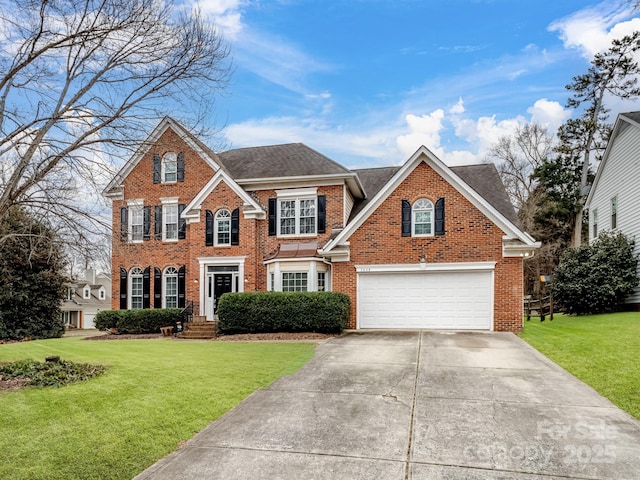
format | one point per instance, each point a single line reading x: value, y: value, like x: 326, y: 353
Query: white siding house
x: 614, y: 199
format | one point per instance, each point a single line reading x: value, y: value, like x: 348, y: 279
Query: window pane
x: 321, y: 281
x: 294, y: 282
x: 137, y: 220
x: 287, y: 217
x: 171, y: 291
x: 170, y: 222
x: 422, y: 217
x: 307, y: 216
x: 136, y: 292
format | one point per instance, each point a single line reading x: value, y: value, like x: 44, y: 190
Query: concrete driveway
x: 417, y: 405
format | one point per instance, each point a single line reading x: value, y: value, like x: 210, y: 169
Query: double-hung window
x: 223, y: 227
x: 169, y: 167
x: 170, y: 222
x: 614, y: 213
x: 423, y: 217
x: 594, y: 221
x: 297, y: 216
x: 137, y: 288
x: 171, y: 288
x: 136, y: 214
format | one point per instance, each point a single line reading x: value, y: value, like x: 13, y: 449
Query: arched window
x: 169, y: 167
x: 223, y: 227
x: 137, y: 288
x: 170, y: 287
x: 422, y: 217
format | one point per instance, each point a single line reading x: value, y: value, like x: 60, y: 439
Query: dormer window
x: 86, y: 293
x: 102, y: 294
x: 69, y: 294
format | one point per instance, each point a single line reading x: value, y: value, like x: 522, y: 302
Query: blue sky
x: 366, y: 82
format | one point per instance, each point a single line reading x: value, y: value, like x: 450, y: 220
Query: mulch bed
x: 12, y: 383
x: 246, y: 337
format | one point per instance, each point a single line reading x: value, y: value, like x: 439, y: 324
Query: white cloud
x: 423, y: 130
x: 226, y: 14
x: 548, y: 114
x: 592, y: 29
x: 457, y: 108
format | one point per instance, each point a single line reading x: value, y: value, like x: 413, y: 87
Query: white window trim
x: 169, y: 202
x: 297, y: 217
x: 413, y: 218
x: 613, y: 202
x: 314, y: 265
x: 301, y: 272
x: 215, y: 228
x: 102, y: 294
x: 130, y: 277
x: 296, y: 194
x: 86, y: 293
x: 594, y: 223
x: 165, y: 275
x: 163, y: 162
x: 136, y: 204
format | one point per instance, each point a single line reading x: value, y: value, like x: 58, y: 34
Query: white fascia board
x: 511, y: 249
x: 300, y: 259
x: 423, y: 154
x: 163, y: 125
x: 427, y: 267
x: 274, y: 183
x: 192, y: 211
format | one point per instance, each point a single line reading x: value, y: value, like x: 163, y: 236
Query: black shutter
x: 157, y: 288
x: 181, y: 286
x: 322, y: 213
x: 147, y: 223
x: 439, y: 211
x: 156, y: 168
x: 123, y: 289
x: 146, y: 288
x: 180, y: 167
x: 157, y: 223
x: 124, y: 227
x: 208, y: 235
x: 182, y: 223
x: 235, y: 227
x: 272, y: 216
x: 406, y: 218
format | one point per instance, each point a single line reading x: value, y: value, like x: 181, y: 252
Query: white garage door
x: 457, y: 300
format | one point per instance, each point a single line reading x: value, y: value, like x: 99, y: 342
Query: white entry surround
x: 436, y: 295
x: 206, y: 276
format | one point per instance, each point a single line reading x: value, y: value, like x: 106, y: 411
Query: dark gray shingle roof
x: 482, y: 178
x: 372, y: 179
x: 288, y: 160
x: 485, y: 180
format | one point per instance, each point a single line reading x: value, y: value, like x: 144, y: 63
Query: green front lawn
x: 155, y: 394
x: 601, y: 350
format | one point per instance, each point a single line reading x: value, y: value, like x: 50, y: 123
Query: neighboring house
x: 614, y: 199
x: 416, y: 246
x: 85, y: 298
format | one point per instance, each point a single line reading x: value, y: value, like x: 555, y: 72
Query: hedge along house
x: 416, y: 246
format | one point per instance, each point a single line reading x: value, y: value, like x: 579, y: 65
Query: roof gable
x: 113, y: 188
x: 423, y: 154
x: 624, y: 120
x: 252, y: 208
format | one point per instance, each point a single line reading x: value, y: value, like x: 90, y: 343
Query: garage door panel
x: 425, y: 300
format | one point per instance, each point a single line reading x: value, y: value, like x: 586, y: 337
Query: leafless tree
x: 80, y: 81
x: 516, y: 158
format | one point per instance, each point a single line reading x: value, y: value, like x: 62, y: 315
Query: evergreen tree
x: 31, y: 278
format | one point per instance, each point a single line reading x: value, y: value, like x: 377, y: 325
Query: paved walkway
x: 417, y: 405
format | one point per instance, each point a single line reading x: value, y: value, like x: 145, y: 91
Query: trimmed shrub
x: 595, y: 278
x: 51, y: 373
x: 264, y: 312
x: 138, y: 321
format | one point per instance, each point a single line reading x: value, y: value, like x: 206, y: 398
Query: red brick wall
x: 470, y: 237
x: 139, y: 185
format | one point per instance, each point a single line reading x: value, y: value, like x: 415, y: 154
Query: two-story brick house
x: 415, y: 246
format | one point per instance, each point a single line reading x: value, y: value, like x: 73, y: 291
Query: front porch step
x: 201, y: 329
